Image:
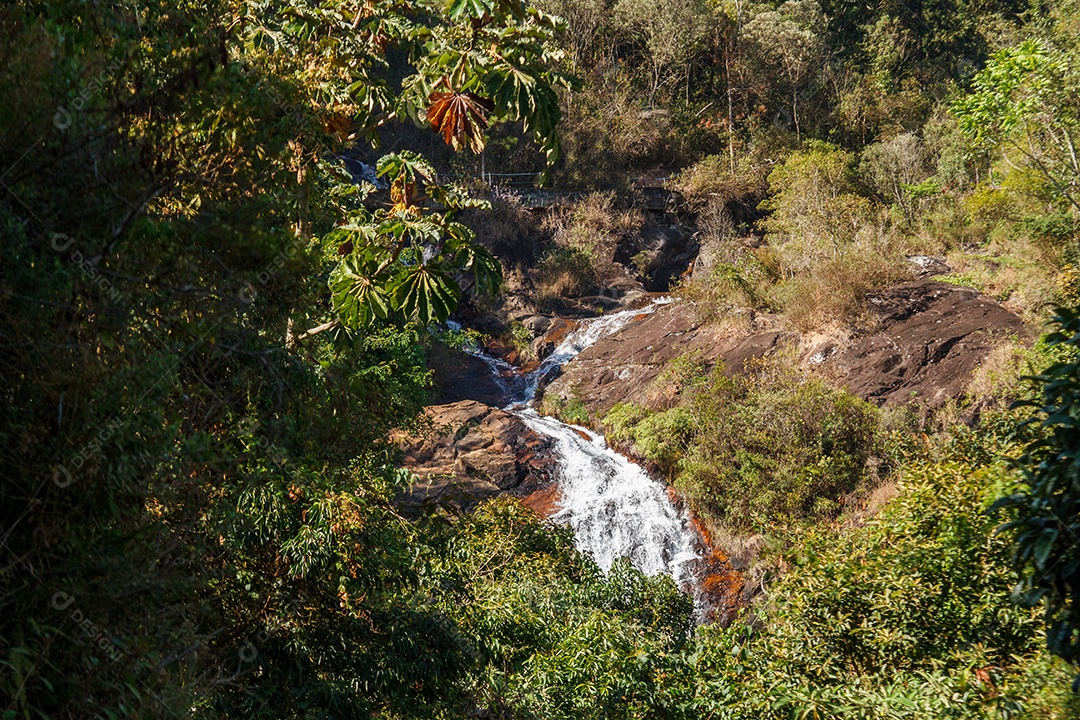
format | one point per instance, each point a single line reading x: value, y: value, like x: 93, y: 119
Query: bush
x: 565, y: 272
x: 569, y: 410
x: 585, y: 239
x: 1045, y: 504
x: 711, y: 179
x: 815, y: 212
x: 760, y: 450
x: 894, y: 168
x: 834, y: 290
x: 904, y: 618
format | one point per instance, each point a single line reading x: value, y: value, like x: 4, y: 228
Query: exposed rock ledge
x: 932, y: 336
x: 473, y: 452
x: 929, y: 338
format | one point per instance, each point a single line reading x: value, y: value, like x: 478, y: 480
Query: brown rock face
x: 932, y: 337
x: 460, y: 376
x: 474, y: 452
x: 624, y: 366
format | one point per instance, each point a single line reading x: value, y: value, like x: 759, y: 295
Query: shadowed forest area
x: 251, y: 247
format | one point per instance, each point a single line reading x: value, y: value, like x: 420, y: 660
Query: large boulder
x: 627, y: 365
x: 929, y: 338
x: 472, y: 452
x: 461, y: 376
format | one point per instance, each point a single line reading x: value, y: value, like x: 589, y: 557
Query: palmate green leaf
x: 499, y: 10
x: 459, y: 10
x: 423, y: 291
x: 357, y: 295
x: 512, y: 89
x: 519, y: 94
x: 469, y: 255
x: 453, y: 198
x: 487, y: 271
x: 406, y: 166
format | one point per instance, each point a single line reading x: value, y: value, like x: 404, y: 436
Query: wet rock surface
x: 461, y: 376
x: 473, y: 452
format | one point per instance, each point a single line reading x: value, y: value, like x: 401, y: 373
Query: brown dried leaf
x: 460, y: 118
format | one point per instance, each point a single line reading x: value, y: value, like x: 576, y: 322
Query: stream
x: 615, y: 508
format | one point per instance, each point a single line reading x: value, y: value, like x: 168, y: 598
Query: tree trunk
x: 795, y: 112
x: 730, y: 110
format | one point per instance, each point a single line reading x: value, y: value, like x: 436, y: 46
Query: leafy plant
x: 1021, y: 102
x: 1045, y: 509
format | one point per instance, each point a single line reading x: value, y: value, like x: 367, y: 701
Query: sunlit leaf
x: 422, y: 291
x: 460, y: 117
x: 357, y: 295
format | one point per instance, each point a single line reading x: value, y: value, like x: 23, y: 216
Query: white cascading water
x: 613, y: 506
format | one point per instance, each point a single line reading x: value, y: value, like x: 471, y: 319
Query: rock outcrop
x: 472, y: 452
x: 626, y: 365
x: 932, y: 336
x: 929, y: 338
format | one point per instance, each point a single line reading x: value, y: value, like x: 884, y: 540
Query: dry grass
x: 833, y: 292
x: 509, y: 230
x: 710, y: 182
x: 585, y: 237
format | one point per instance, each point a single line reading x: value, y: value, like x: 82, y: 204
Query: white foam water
x: 613, y: 506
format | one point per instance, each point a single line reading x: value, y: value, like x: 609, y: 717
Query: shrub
x: 585, y: 239
x: 834, y: 290
x: 570, y: 410
x: 905, y: 618
x: 1045, y: 505
x: 814, y: 210
x: 564, y: 272
x: 660, y: 437
x: 739, y: 277
x: 894, y: 168
x: 711, y: 179
x: 758, y: 450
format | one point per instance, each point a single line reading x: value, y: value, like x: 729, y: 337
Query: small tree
x: 1025, y: 104
x: 815, y: 211
x: 670, y: 31
x: 789, y: 39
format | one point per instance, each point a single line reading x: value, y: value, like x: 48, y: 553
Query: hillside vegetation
x: 233, y: 228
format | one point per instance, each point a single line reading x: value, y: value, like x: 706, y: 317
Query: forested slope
x: 233, y: 228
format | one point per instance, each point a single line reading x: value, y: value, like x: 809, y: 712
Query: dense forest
x: 234, y: 232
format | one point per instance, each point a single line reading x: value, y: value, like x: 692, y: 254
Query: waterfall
x: 615, y: 508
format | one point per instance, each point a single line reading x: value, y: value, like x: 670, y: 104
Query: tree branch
x: 316, y: 330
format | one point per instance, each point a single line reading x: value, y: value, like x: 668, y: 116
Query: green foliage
x: 814, y: 208
x: 403, y: 261
x: 570, y: 410
x: 553, y: 637
x: 895, y: 168
x: 789, y: 39
x: 199, y: 498
x: 902, y: 618
x: 670, y: 33
x: 759, y: 450
x: 1044, y: 508
x: 1023, y: 103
